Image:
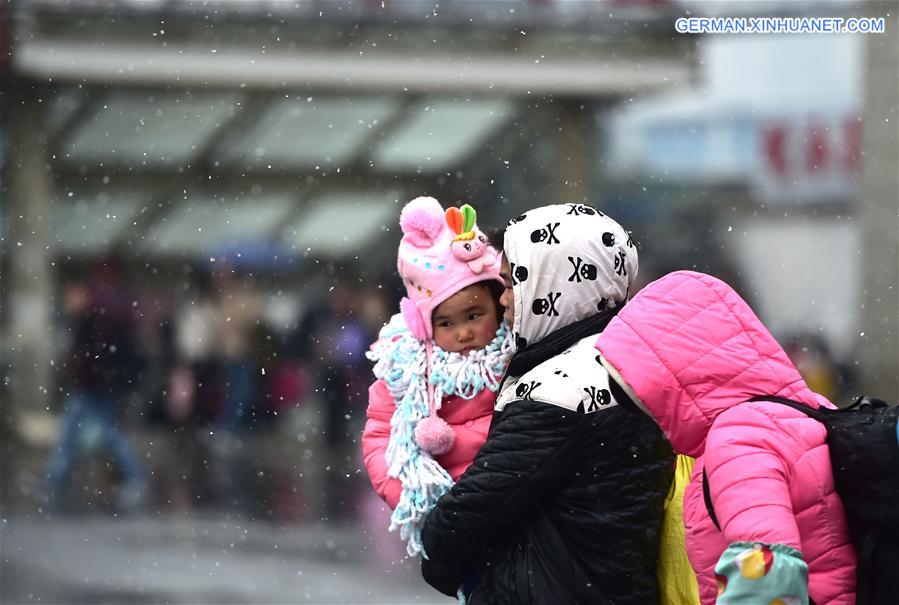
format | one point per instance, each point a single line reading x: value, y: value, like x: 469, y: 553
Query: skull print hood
x: 567, y: 262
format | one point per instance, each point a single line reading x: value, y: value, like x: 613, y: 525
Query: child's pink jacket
x: 470, y: 418
x: 692, y: 353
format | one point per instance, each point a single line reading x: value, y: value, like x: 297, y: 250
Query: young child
x: 438, y: 364
x: 691, y: 353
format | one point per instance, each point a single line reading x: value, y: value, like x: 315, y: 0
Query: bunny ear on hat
x: 461, y: 220
x: 454, y: 219
x: 469, y: 216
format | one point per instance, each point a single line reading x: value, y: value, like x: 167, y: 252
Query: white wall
x: 804, y: 275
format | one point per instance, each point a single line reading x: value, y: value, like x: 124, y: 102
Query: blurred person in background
x: 186, y: 390
x: 374, y: 308
x: 103, y: 366
x: 438, y: 365
x: 822, y: 370
x: 196, y: 343
x: 277, y: 383
x: 340, y: 340
x: 238, y: 310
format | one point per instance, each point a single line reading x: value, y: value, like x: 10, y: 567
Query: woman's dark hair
x: 497, y: 238
x: 496, y: 290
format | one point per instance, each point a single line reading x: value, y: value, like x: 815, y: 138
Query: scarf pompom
x: 434, y: 435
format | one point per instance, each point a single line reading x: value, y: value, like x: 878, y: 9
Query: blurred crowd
x: 222, y: 368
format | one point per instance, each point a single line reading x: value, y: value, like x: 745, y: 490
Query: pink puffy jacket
x: 691, y: 353
x: 469, y: 417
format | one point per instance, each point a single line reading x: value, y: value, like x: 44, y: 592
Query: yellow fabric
x: 677, y: 582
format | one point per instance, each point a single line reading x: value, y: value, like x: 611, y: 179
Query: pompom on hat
x: 440, y: 254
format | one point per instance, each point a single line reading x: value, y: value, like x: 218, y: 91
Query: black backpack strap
x: 707, y: 496
x: 808, y: 410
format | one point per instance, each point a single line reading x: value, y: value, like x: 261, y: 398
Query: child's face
x: 466, y: 321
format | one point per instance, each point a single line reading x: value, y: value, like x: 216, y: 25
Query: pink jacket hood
x: 687, y: 347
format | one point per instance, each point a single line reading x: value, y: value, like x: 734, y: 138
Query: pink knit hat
x: 440, y: 254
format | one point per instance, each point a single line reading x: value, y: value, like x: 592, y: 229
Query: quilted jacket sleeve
x: 375, y: 437
x: 748, y: 479
x: 529, y: 453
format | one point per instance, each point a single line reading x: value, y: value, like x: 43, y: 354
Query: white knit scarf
x: 401, y: 362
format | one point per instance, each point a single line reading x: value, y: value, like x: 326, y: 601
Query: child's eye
x: 474, y: 316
